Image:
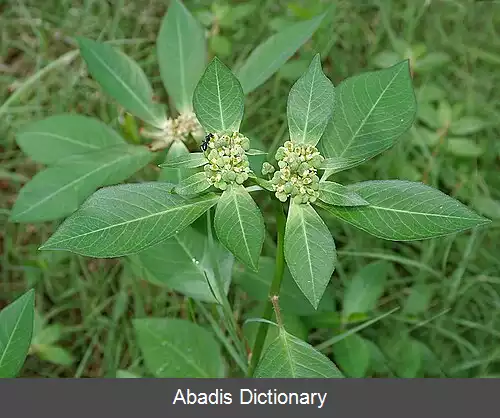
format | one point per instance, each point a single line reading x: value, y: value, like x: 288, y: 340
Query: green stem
x: 274, y: 290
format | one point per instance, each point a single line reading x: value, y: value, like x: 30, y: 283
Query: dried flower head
x: 179, y: 129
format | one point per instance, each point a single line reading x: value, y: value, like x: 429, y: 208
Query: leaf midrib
x: 77, y: 180
x: 306, y: 242
x: 370, y: 112
x: 9, y: 341
x: 64, y: 138
x: 288, y: 352
x: 244, y: 237
x: 217, y: 83
x: 151, y: 215
x: 306, y: 123
x: 179, y: 353
x: 127, y: 88
x: 181, y: 64
x: 419, y: 213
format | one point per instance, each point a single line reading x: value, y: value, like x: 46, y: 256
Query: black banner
x: 345, y: 398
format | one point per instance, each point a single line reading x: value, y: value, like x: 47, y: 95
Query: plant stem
x: 274, y: 290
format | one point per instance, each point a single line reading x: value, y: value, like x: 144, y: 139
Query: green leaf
x: 487, y: 206
x: 378, y: 361
x: 195, y: 184
x: 191, y: 160
x: 16, y: 329
x: 289, y: 357
x: 181, y: 54
x: 178, y: 348
x: 467, y: 125
x: 126, y: 219
x: 220, y: 45
x: 310, y: 105
x: 125, y: 374
x: 309, y: 251
x: 56, y: 137
x: 256, y: 285
x: 123, y: 79
x: 269, y: 56
x: 60, y: 189
x: 463, y: 147
x: 431, y: 62
x: 187, y: 266
x: 386, y: 59
x: 339, y: 195
x: 372, y: 111
x: 239, y: 225
x: 405, y: 356
x: 55, y: 354
x: 405, y: 211
x: 352, y: 355
x: 365, y: 288
x: 419, y: 299
x: 175, y: 175
x: 337, y: 164
x: 218, y: 99
x: 47, y: 335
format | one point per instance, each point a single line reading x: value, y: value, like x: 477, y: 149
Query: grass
x: 448, y: 289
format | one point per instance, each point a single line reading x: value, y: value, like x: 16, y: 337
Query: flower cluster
x: 178, y: 129
x: 296, y: 177
x: 228, y: 162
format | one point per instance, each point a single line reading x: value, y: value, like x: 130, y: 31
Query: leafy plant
x: 16, y: 329
x: 167, y: 228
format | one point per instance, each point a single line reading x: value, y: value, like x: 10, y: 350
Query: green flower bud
x: 282, y: 197
x: 222, y: 185
x: 229, y: 176
x: 280, y: 153
x: 267, y: 169
x: 245, y: 143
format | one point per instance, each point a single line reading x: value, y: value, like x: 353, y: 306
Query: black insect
x: 204, y: 144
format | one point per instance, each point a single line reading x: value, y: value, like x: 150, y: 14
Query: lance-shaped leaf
x: 190, y: 160
x: 269, y: 56
x: 405, y: 211
x: 309, y: 251
x: 178, y: 348
x: 60, y: 189
x: 188, y: 265
x: 256, y: 285
x: 123, y: 79
x: 195, y: 184
x: 126, y: 219
x: 289, y: 357
x: 372, y: 111
x: 239, y: 225
x: 365, y: 288
x: 218, y: 99
x: 62, y: 136
x: 16, y: 329
x: 352, y: 355
x: 339, y: 195
x: 310, y: 105
x: 181, y: 54
x: 171, y: 174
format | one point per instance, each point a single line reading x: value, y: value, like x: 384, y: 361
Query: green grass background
x: 448, y: 289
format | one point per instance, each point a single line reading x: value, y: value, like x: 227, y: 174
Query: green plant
x: 331, y: 129
x: 16, y: 329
